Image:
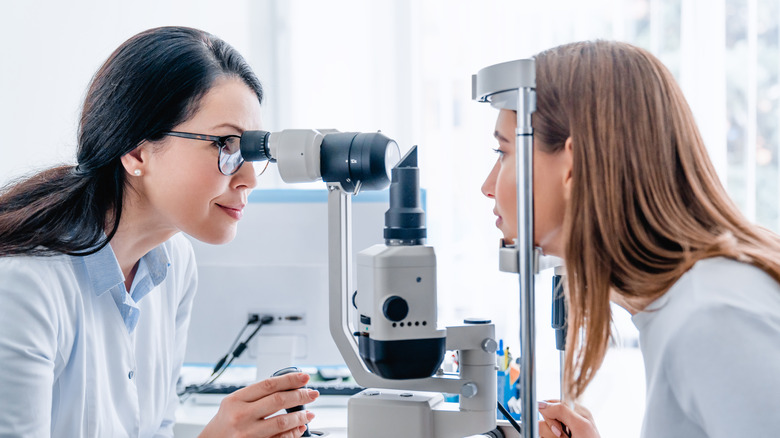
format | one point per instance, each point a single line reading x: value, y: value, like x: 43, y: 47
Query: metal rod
x: 527, y: 258
x: 340, y: 271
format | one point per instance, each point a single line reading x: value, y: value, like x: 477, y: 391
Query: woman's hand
x: 579, y: 422
x: 246, y: 411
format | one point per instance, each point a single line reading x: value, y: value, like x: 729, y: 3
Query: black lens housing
x: 254, y: 146
x: 352, y: 157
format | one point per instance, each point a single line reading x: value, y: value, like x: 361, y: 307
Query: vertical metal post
x: 526, y: 104
x: 340, y: 271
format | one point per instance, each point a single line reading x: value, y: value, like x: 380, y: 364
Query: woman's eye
x: 499, y: 152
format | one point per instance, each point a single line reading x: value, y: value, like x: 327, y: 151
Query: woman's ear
x: 568, y: 165
x: 135, y: 161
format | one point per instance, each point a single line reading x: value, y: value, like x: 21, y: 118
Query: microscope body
x: 396, y: 318
x: 397, y: 347
x: 417, y: 409
x: 400, y: 344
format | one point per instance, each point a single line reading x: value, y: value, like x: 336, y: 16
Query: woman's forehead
x: 228, y: 103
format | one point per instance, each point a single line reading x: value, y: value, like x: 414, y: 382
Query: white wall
x: 50, y: 51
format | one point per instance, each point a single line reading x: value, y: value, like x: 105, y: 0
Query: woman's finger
x: 283, y: 425
x: 557, y: 413
x: 295, y: 433
x: 275, y: 402
x: 545, y: 431
x: 272, y: 385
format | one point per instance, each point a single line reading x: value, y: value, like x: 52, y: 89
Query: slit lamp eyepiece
x: 356, y: 160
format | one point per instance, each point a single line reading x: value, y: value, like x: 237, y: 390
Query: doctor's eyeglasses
x: 230, y: 159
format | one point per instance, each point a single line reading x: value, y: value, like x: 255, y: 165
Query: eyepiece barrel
x: 356, y: 160
x: 405, y: 219
x: 352, y: 157
x: 255, y: 147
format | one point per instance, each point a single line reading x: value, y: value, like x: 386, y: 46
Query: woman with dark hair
x: 625, y: 193
x: 96, y: 282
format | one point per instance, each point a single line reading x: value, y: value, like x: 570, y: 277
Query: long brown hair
x: 646, y: 203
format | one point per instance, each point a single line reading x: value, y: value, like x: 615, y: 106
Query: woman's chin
x: 509, y: 239
x: 221, y: 238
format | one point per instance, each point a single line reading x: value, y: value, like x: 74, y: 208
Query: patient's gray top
x: 711, y: 347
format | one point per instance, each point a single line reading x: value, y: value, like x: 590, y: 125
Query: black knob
x: 289, y: 370
x: 395, y: 308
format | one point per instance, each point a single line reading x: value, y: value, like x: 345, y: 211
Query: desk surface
x: 330, y: 416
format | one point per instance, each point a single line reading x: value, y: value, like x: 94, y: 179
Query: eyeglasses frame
x: 219, y: 140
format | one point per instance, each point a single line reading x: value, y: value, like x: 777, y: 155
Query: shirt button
x: 130, y: 375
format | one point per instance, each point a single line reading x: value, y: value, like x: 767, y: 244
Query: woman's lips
x: 234, y: 212
x: 499, y: 220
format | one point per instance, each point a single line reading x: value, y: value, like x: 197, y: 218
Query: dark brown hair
x: 150, y: 84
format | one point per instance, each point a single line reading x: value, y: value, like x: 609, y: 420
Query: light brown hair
x: 646, y: 203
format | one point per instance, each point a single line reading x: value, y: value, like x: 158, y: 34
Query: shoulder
x: 36, y: 289
x: 724, y: 344
x: 726, y: 271
x: 723, y: 305
x: 44, y: 271
x: 717, y: 303
x: 718, y: 283
x: 710, y: 286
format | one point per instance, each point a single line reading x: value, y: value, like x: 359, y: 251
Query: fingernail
x: 310, y: 416
x: 555, y: 430
x: 303, y: 377
x: 542, y: 405
x: 313, y: 393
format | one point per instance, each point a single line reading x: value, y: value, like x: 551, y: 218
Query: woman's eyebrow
x: 500, y: 137
x: 228, y: 125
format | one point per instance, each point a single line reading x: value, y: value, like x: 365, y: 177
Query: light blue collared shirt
x: 82, y: 357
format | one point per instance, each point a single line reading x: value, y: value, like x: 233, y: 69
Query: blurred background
x: 404, y: 67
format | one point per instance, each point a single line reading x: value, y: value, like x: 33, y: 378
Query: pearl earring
x: 137, y: 172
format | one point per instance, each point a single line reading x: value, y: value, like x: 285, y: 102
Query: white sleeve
x: 189, y: 279
x: 724, y: 369
x: 28, y: 348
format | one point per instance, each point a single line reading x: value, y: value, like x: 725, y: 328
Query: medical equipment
x: 352, y: 160
x: 399, y: 345
x: 558, y: 322
x: 289, y: 370
x: 512, y: 85
x: 559, y: 313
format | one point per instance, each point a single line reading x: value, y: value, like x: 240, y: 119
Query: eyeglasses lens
x: 230, y: 156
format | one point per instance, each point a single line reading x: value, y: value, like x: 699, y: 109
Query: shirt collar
x: 104, y: 271
x: 154, y: 266
x: 157, y: 262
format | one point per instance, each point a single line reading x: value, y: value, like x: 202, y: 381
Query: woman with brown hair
x: 625, y: 193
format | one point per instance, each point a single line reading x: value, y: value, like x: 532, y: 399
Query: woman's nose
x: 488, y: 187
x: 246, y: 176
